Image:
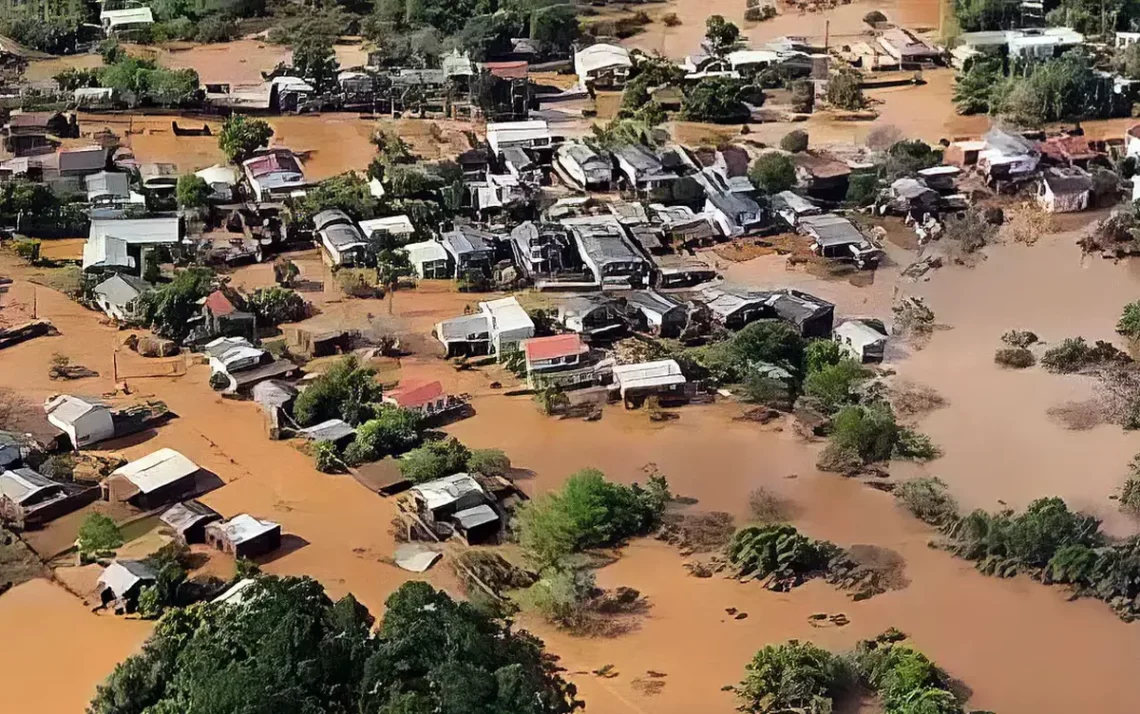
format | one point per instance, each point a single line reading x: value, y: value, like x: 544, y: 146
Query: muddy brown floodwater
x: 1020, y: 647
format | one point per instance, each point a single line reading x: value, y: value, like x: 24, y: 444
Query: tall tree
x: 721, y: 35
x: 314, y: 59
x: 241, y: 136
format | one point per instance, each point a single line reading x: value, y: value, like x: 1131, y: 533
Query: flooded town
x: 441, y: 356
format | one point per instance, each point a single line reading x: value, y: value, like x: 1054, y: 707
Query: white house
x: 221, y: 179
x: 430, y: 259
x: 602, y: 65
x: 124, y: 243
x: 860, y: 340
x: 399, y: 227
x: 275, y: 174
x: 1064, y: 190
x: 530, y: 134
x: 160, y: 477
x: 648, y: 377
x: 585, y: 168
x: 118, y: 296
x: 509, y: 324
x: 85, y: 422
x: 125, y: 20
x: 342, y: 240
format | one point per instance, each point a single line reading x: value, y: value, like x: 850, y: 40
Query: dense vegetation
x: 169, y: 307
x: 801, y: 677
x: 780, y: 553
x: 863, y: 434
x: 346, y: 390
x: 290, y: 649
x: 588, y: 512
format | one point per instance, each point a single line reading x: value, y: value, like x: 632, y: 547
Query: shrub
x: 345, y: 391
x: 844, y: 91
x: 874, y: 17
x: 803, y: 96
x: 434, y: 460
x: 216, y: 28
x: 561, y: 595
x: 1015, y: 357
x: 393, y: 431
x: 1130, y: 491
x: 768, y: 341
x: 862, y: 189
x: 489, y: 462
x: 1019, y: 338
x: 759, y: 13
x: 779, y: 551
x: 588, y: 512
x: 276, y: 305
x: 326, y: 458
x: 670, y: 19
x: 915, y: 445
x: 792, y: 677
x: 192, y: 191
x: 1129, y: 323
x: 98, y: 534
x: 795, y: 141
x: 766, y: 506
x: 834, y: 385
x: 28, y: 249
x: 928, y: 500
x: 285, y: 271
x: 1074, y: 355
x: 866, y: 434
x: 357, y: 283
x: 773, y: 172
x: 771, y: 392
x: 821, y: 353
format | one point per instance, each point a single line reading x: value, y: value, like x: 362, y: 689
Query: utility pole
x: 826, y: 34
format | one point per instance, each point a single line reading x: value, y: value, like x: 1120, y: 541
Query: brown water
x: 1003, y: 638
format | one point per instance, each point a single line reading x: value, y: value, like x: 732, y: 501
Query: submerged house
x: 602, y: 66
x: 636, y: 382
x: 607, y: 253
x: 470, y: 249
x: 342, y: 241
x: 29, y: 500
x: 498, y: 328
x: 584, y: 168
x: 560, y: 361
x: 236, y: 366
x: 85, y: 421
x: 905, y: 48
x: 123, y: 244
x: 642, y: 172
x: 119, y: 296
x: 158, y: 478
x: 188, y: 520
x: 244, y: 536
x: 861, y: 340
x: 427, y: 399
x: 592, y: 315
x: 733, y: 213
x: 650, y: 311
x: 430, y: 260
x: 1064, y: 190
x: 438, y: 499
x: 274, y: 174
x: 544, y: 249
x: 122, y: 581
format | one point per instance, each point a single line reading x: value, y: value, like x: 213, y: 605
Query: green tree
x: 98, y: 534
x: 769, y: 341
x: 796, y: 676
x: 909, y: 157
x: 489, y: 462
x: 276, y: 305
x: 844, y: 90
x: 862, y: 189
x: 715, y: 100
x: 795, y: 141
x: 192, y: 191
x: 314, y: 59
x: 773, y: 172
x: 834, y: 386
x: 1129, y: 323
x: 241, y: 136
x: 348, y: 192
x: 977, y: 89
x: 434, y: 460
x: 555, y: 27
x: 393, y: 431
x: 721, y: 35
x: 346, y: 390
x: 975, y: 15
x: 169, y: 308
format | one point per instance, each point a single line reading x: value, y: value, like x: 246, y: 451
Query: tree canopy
x: 192, y: 191
x: 241, y: 136
x: 314, y: 59
x: 169, y: 308
x: 346, y: 390
x: 289, y: 649
x: 773, y: 172
x: 715, y: 100
x: 721, y: 35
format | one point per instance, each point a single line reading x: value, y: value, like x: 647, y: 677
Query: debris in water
x: 606, y: 671
x: 416, y: 558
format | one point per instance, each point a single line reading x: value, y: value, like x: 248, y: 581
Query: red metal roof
x: 543, y: 348
x: 415, y: 394
x: 219, y: 304
x: 1067, y: 147
x: 508, y: 70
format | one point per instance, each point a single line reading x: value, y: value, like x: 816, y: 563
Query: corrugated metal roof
x: 158, y: 469
x: 244, y: 528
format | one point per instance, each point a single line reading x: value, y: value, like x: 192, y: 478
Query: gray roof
x: 467, y: 327
x: 639, y: 158
x: 830, y: 229
x: 910, y: 188
x: 122, y: 289
x: 106, y: 183
x: 470, y: 518
x: 331, y: 430
x: 343, y: 235
x: 651, y: 301
x: 183, y: 516
x: 516, y: 157
x: 273, y: 392
x: 22, y: 484
x: 88, y: 158
x: 1007, y: 143
x: 329, y: 217
x: 1067, y: 182
x: 467, y: 239
x: 582, y: 154
x: 734, y: 205
x: 799, y: 307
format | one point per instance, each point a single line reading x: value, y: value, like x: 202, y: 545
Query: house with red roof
x: 428, y: 399
x: 222, y: 317
x: 562, y: 361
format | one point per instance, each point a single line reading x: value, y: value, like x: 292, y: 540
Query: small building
x: 584, y: 168
x: 558, y: 361
x: 29, y: 500
x: 399, y: 228
x: 86, y: 422
x: 469, y: 335
x: 82, y: 161
x: 529, y: 134
x: 592, y: 315
x: 821, y: 175
x: 478, y: 524
x: 222, y: 317
x: 13, y: 448
x: 912, y: 197
x: 657, y: 314
x: 1068, y: 151
x: 1064, y: 190
x: 244, y: 536
x: 680, y: 271
x: 274, y: 174
x: 811, y: 316
x: 430, y: 260
x: 861, y: 340
x: 734, y: 308
x: 470, y: 249
x: 544, y: 249
x: 343, y: 242
x: 1007, y: 156
x: 733, y: 213
x: 156, y: 479
x: 189, y: 519
x: 275, y: 399
x: 223, y: 181
x: 602, y: 66
x: 122, y: 581
x: 837, y: 238
x: 905, y: 48
x: 119, y: 296
x: 605, y: 250
x: 636, y: 382
x: 311, y: 342
x: 105, y: 187
x: 337, y: 431
x: 125, y: 21
x: 509, y: 324
x: 159, y: 177
x: 940, y: 178
x: 124, y: 243
x: 643, y: 173
x: 236, y: 366
x: 963, y: 153
x: 792, y: 207
x: 424, y: 398
x: 437, y: 500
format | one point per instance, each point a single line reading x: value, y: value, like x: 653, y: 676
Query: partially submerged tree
x: 773, y: 172
x: 844, y: 90
x: 721, y: 35
x: 314, y: 59
x: 98, y: 534
x: 168, y: 309
x: 241, y: 136
x: 346, y: 390
x: 192, y: 191
x: 434, y: 460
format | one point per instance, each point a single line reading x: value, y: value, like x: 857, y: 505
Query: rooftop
x: 448, y: 490
x: 187, y: 514
x: 20, y: 485
x: 331, y: 430
x: 244, y: 528
x: 648, y: 374
x: 69, y: 409
x: 544, y: 348
x: 156, y: 470
x: 415, y: 394
x: 506, y: 314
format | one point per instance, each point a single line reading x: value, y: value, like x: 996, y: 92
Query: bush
x: 276, y: 305
x: 844, y: 91
x: 1074, y: 355
x: 1015, y: 357
x: 792, y: 677
x: 216, y: 28
x: 803, y: 96
x: 326, y: 458
x: 192, y: 191
x: 357, y: 283
x: 1129, y: 323
x: 1130, y: 491
x: 670, y: 19
x: 434, y: 460
x: 98, y: 534
x: 862, y: 189
x: 833, y: 386
x: 770, y: 341
x: 874, y: 17
x: 1019, y: 338
x: 28, y: 249
x: 588, y: 512
x: 866, y: 434
x: 345, y: 391
x: 915, y: 445
x: 392, y: 432
x: 489, y: 462
x: 795, y: 141
x: 773, y: 172
x: 821, y: 353
x: 759, y: 13
x: 771, y: 392
x: 767, y: 507
x: 928, y: 500
x: 779, y: 551
x: 561, y: 595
